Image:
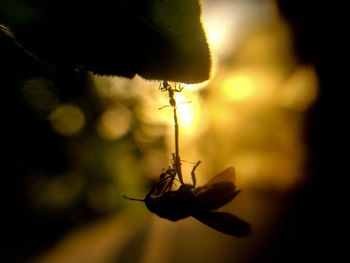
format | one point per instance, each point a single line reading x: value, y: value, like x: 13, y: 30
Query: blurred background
x: 113, y: 139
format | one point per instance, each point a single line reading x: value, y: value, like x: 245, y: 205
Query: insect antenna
x: 134, y: 199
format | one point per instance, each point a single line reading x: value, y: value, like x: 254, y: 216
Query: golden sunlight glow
x: 263, y: 126
x: 67, y: 119
x: 216, y: 34
x: 187, y: 111
x: 238, y: 87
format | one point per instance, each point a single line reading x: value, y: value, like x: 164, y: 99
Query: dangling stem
x: 177, y: 160
x: 164, y: 85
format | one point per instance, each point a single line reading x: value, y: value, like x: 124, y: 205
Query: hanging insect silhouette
x: 199, y: 202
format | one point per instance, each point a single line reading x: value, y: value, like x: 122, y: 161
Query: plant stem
x: 177, y: 160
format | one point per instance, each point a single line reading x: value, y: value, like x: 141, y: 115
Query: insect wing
x: 225, y: 223
x: 227, y: 175
x: 217, y: 192
x: 213, y: 196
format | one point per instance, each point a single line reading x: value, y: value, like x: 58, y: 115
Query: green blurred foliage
x: 65, y: 162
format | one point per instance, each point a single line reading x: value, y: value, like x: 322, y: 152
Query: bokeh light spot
x: 114, y: 123
x: 40, y: 95
x: 67, y: 119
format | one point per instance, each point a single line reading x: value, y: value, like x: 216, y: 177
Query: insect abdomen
x: 173, y: 205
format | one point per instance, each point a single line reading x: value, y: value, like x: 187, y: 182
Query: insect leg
x: 164, y: 85
x: 194, y: 181
x: 178, y: 87
x: 161, y: 86
x: 172, y: 173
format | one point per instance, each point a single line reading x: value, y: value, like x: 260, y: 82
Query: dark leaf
x: 157, y: 39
